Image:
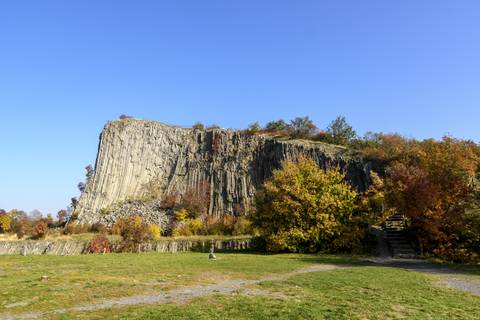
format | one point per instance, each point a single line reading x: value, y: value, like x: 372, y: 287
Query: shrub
x: 218, y: 225
x: 188, y: 228
x: 196, y: 200
x: 254, y: 128
x: 198, y: 126
x: 134, y: 232
x: 62, y: 217
x: 124, y: 116
x: 238, y: 209
x: 182, y: 230
x: 181, y: 215
x: 169, y: 201
x: 155, y: 231
x: 99, y: 244
x: 303, y: 208
x: 76, y: 228
x: 40, y: 230
x: 5, y: 222
x: 242, y: 226
x: 98, y: 228
x: 21, y: 227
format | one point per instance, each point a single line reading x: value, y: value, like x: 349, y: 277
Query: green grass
x: 360, y: 292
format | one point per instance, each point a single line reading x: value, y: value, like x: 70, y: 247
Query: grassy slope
x: 362, y: 292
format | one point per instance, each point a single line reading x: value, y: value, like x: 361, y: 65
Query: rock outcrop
x: 135, y: 156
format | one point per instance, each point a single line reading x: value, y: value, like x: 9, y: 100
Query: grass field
x: 358, y: 292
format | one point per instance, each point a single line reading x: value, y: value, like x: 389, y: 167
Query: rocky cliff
x: 135, y: 154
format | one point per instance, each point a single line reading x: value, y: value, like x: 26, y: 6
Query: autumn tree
x: 433, y: 184
x: 303, y: 208
x: 302, y: 127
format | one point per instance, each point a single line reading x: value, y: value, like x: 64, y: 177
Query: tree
x: 63, y: 216
x: 198, y: 126
x: 303, y: 208
x: 341, y: 132
x: 254, y: 128
x: 276, y: 126
x: 36, y: 214
x: 81, y: 186
x: 5, y: 222
x: 89, y: 172
x: 302, y: 127
x: 196, y: 200
x: 434, y: 185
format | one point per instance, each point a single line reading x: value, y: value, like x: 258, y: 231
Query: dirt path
x: 175, y: 295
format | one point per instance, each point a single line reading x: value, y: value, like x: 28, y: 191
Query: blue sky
x: 66, y: 67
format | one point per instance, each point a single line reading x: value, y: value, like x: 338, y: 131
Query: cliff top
x: 330, y: 147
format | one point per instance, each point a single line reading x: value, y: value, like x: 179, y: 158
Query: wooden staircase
x: 397, y: 239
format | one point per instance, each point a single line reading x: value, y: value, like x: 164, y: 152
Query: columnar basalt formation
x: 135, y: 154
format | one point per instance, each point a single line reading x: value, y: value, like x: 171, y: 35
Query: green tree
x: 254, y: 128
x: 276, y: 126
x: 341, y: 132
x: 303, y: 208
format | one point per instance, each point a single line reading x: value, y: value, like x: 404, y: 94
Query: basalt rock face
x: 135, y: 154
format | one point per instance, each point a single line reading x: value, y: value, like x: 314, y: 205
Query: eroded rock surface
x: 133, y: 154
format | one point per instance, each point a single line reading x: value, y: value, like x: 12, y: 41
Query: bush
x: 98, y: 228
x: 76, y: 228
x: 218, y: 225
x: 99, y: 244
x: 189, y: 227
x: 198, y: 126
x: 155, y: 231
x: 196, y: 200
x: 181, y: 215
x: 169, y: 201
x: 242, y: 226
x: 5, y: 223
x: 40, y: 230
x: 303, y: 208
x: 134, y: 232
x: 254, y: 128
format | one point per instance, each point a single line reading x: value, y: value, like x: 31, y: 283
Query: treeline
x: 433, y: 184
x: 31, y: 226
x: 338, y: 131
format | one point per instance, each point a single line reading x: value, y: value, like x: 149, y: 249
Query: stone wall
x: 67, y: 248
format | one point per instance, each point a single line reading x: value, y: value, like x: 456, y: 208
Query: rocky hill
x: 135, y: 156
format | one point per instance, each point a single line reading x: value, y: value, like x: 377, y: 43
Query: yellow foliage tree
x: 303, y: 208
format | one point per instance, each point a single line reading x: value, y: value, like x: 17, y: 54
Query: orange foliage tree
x: 434, y: 184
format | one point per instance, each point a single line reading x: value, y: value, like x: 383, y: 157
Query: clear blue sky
x: 66, y: 67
